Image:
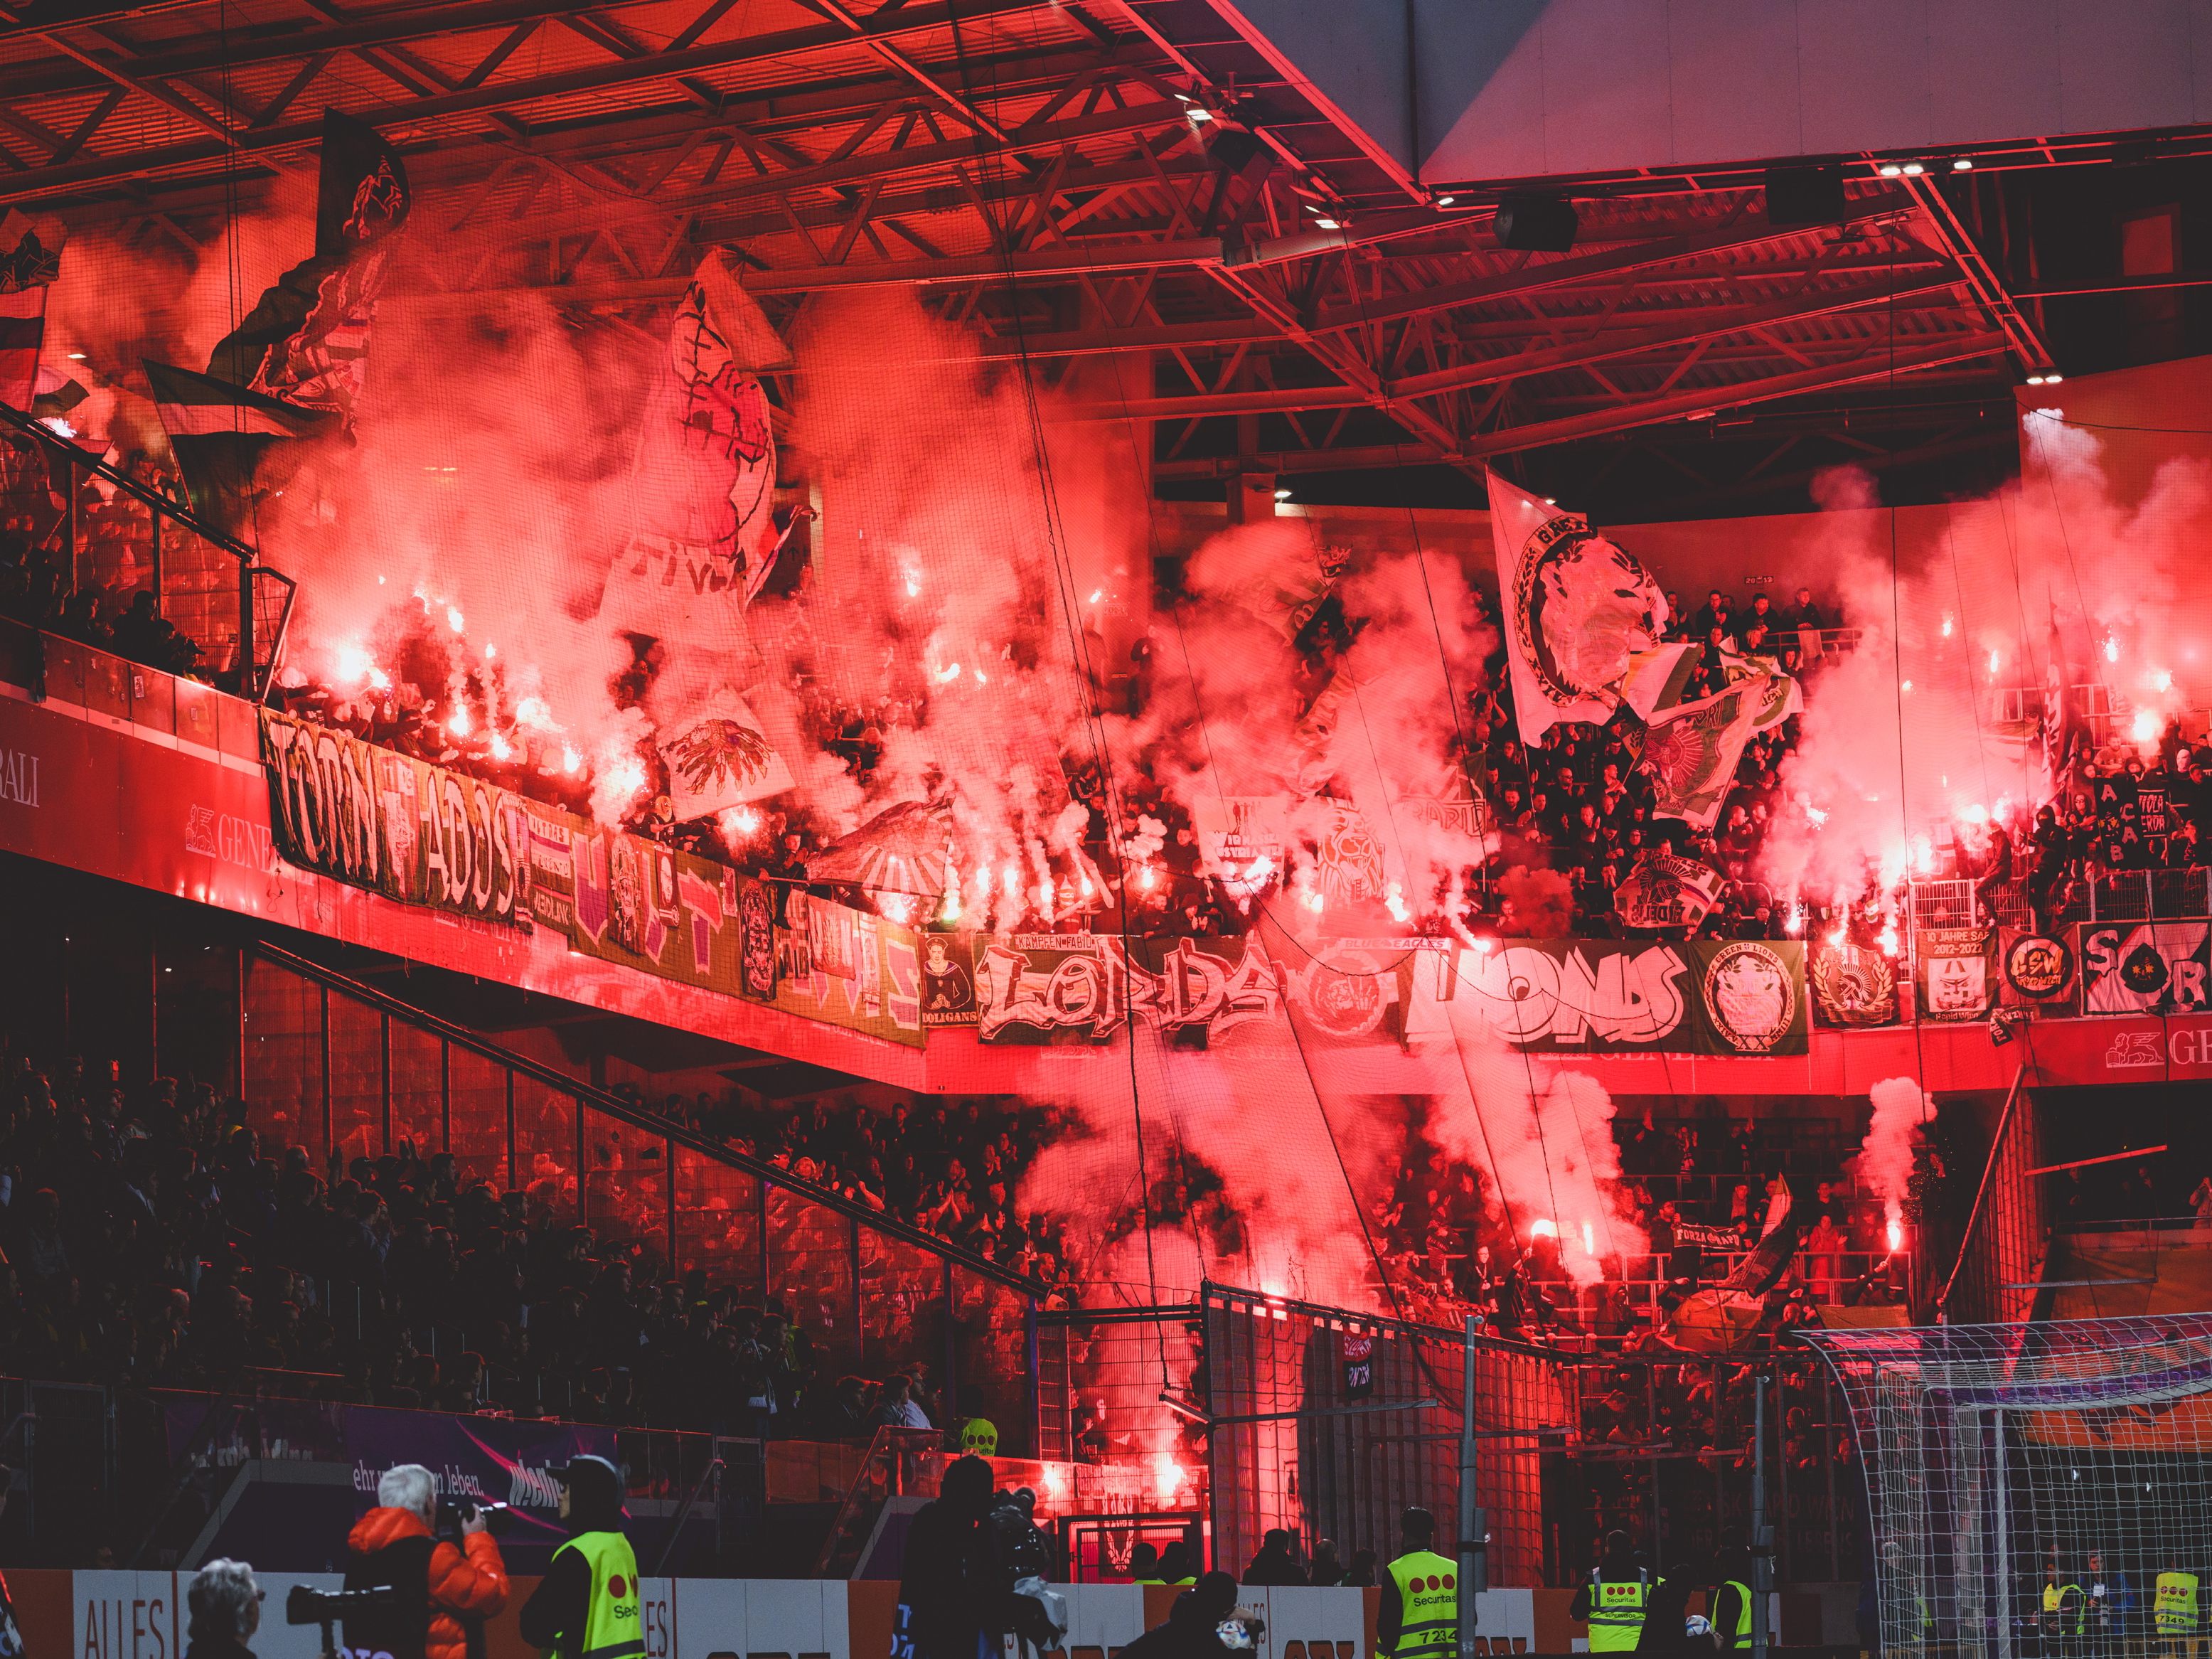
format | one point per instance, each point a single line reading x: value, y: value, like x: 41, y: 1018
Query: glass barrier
x: 323, y: 1067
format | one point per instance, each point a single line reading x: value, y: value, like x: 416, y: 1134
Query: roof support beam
x: 1493, y: 371
x: 1621, y: 417
x: 501, y: 95
x: 1958, y: 243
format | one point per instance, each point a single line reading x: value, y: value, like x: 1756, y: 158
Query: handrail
x: 638, y: 1117
x: 1981, y: 1192
x: 251, y: 569
x: 36, y: 430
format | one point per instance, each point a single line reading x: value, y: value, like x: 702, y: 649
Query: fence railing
x: 1329, y: 1424
x: 341, y: 1068
x: 2001, y: 1253
x: 104, y: 531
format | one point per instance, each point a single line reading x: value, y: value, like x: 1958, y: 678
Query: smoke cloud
x: 1912, y: 738
x: 1885, y: 1158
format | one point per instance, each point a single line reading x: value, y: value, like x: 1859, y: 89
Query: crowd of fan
x: 2140, y: 814
x: 101, y: 596
x: 951, y: 1170
x: 1449, y: 1254
x: 151, y: 1237
x: 1576, y: 802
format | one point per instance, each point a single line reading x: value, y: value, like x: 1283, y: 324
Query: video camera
x: 497, y: 1517
x: 307, y: 1606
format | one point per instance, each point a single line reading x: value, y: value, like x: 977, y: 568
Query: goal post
x: 2036, y: 1491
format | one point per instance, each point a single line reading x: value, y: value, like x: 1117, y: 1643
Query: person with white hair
x: 225, y: 1605
x: 441, y: 1592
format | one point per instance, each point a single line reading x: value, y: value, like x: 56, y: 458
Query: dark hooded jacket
x: 1192, y: 1631
x: 557, y: 1607
x: 955, y: 1591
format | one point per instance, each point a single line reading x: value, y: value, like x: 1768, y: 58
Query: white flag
x: 1577, y: 608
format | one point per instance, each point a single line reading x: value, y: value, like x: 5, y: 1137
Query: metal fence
x: 110, y: 534
x: 1994, y: 1280
x: 1329, y: 1426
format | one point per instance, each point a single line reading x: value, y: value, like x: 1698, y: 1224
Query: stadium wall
x: 139, y: 1615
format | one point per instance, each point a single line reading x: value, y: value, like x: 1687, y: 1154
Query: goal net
x: 2036, y: 1491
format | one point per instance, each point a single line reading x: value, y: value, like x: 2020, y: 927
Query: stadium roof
x: 1076, y: 179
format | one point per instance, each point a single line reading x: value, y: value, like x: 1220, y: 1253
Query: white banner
x: 1576, y: 610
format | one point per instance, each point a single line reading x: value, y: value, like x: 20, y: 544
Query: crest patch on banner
x: 1578, y: 610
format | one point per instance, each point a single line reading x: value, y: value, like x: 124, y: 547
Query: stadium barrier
x: 137, y: 1615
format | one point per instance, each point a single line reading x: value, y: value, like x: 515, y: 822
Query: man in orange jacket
x: 442, y: 1593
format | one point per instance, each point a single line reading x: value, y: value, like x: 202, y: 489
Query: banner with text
x: 2145, y: 967
x: 1602, y: 996
x: 1572, y: 996
x: 423, y: 834
x: 398, y: 826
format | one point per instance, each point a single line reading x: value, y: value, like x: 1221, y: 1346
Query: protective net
x: 2035, y: 1489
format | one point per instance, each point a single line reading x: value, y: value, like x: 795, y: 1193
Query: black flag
x: 306, y: 341
x: 229, y: 442
x: 361, y: 194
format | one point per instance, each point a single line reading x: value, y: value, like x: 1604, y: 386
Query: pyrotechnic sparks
x: 1168, y: 1475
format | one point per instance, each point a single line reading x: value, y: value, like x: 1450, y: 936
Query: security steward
x: 1418, y: 1618
x: 587, y: 1605
x: 1730, y: 1601
x: 2065, y: 1613
x: 1613, y: 1600
x: 2173, y: 1612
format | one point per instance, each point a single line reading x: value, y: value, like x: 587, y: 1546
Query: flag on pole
x: 361, y: 187
x: 1691, y: 751
x: 22, y: 331
x: 306, y: 341
x: 721, y: 759
x: 1656, y: 679
x: 230, y: 443
x: 1576, y: 610
x: 30, y: 260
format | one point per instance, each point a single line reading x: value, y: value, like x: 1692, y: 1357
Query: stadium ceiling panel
x: 1068, y: 179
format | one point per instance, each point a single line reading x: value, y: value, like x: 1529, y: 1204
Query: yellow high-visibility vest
x: 2173, y: 1604
x: 1428, y: 1607
x: 1616, y: 1617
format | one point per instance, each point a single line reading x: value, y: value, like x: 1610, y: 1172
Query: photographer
x: 443, y: 1591
x: 225, y: 1604
x: 587, y: 1602
x: 11, y: 1638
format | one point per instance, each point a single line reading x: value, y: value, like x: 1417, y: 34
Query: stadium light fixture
x: 1889, y: 169
x: 1914, y: 169
x: 1962, y: 164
